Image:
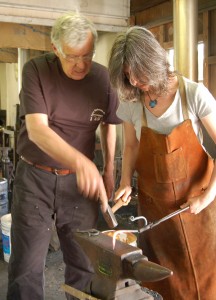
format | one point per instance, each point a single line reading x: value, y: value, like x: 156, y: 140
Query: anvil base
x: 131, y: 291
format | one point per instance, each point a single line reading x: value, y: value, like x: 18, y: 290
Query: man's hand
x: 89, y: 181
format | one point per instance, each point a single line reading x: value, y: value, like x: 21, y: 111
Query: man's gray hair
x: 138, y: 49
x: 72, y: 29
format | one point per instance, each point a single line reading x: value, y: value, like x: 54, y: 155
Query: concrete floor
x: 54, y: 276
x: 54, y: 272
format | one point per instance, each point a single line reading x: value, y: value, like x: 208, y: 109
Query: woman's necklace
x: 152, y: 103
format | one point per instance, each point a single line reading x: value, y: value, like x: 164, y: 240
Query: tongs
x: 150, y: 225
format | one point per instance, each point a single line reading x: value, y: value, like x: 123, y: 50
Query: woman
x: 162, y: 113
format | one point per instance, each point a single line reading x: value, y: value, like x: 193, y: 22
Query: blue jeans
x: 38, y: 195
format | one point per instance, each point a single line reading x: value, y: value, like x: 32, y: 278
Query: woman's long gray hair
x: 139, y: 50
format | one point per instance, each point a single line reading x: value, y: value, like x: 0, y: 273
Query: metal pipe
x: 185, y: 21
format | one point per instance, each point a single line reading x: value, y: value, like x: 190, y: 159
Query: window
x: 200, y: 60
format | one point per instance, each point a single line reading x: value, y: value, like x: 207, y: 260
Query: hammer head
x: 109, y: 217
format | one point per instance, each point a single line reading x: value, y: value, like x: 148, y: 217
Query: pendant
x: 153, y: 103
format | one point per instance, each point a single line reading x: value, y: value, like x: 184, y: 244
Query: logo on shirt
x: 97, y: 115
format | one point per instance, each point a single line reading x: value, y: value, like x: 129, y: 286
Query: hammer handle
x: 74, y: 292
x: 118, y: 205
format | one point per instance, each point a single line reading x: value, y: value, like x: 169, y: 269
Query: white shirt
x: 200, y: 103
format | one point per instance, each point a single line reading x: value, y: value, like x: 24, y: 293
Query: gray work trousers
x: 37, y: 196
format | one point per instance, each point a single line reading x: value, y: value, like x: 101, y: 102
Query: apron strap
x: 144, y: 121
x: 183, y: 101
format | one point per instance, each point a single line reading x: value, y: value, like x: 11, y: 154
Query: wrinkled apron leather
x: 170, y: 169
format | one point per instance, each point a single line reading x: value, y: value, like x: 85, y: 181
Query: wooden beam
x: 206, y: 48
x: 212, y: 60
x: 168, y: 45
x: 107, y: 15
x: 155, y: 16
x: 140, y: 5
x: 25, y: 36
x: 206, y: 5
x: 151, y: 13
x: 212, y: 51
x: 8, y: 55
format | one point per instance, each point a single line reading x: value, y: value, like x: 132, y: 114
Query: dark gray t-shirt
x: 75, y: 108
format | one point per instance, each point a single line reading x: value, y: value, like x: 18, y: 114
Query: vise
x: 118, y: 270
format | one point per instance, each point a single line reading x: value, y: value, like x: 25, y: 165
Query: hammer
x: 119, y: 204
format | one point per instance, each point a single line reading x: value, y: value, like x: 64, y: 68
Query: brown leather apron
x: 170, y: 169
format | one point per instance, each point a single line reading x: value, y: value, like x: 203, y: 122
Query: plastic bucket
x: 3, y: 190
x: 126, y: 237
x: 3, y: 200
x: 3, y: 211
x: 3, y: 208
x: 6, y: 240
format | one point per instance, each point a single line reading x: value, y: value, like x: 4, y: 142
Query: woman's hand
x: 124, y: 194
x: 198, y: 203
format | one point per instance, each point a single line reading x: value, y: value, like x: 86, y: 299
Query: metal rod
x: 170, y: 215
x: 155, y: 223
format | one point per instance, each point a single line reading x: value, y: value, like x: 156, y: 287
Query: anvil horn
x: 146, y: 271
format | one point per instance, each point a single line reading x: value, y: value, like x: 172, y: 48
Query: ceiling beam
x: 25, y: 36
x: 140, y: 5
x: 107, y: 15
x: 8, y: 55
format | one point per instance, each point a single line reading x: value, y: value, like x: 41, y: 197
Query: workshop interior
x: 25, y: 33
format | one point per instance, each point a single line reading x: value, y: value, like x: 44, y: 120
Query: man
x: 64, y: 98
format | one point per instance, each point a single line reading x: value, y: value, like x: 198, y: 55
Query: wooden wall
x: 33, y: 37
x: 108, y: 15
x: 159, y: 19
x: 26, y: 24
